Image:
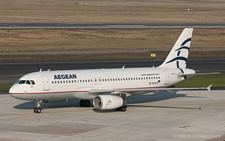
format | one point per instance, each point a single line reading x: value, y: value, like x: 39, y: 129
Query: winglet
x: 209, y: 87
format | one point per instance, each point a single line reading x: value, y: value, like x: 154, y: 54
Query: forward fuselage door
x: 167, y: 77
x: 46, y: 84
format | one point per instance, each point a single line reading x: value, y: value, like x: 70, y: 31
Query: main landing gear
x: 122, y: 109
x: 38, y: 106
x: 85, y: 103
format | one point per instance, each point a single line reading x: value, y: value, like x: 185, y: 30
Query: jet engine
x: 107, y: 102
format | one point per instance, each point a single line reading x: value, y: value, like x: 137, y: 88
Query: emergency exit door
x: 167, y: 77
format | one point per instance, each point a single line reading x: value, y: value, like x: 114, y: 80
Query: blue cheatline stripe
x: 178, y: 58
x: 183, y: 47
x: 187, y: 40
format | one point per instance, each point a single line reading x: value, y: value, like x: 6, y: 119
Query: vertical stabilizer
x: 178, y: 56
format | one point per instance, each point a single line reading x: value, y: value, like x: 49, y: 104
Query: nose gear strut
x: 38, y: 106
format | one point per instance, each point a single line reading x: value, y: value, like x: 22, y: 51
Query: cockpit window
x: 32, y: 82
x: 22, y: 81
x: 29, y: 82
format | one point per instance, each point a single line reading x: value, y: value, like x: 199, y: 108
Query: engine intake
x: 107, y: 102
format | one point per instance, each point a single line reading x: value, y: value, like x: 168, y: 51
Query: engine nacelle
x: 107, y: 102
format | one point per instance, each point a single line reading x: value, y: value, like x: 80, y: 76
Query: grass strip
x: 217, y: 80
x: 34, y: 40
x: 5, y: 86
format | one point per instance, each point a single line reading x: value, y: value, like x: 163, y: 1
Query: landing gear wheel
x: 37, y: 110
x: 118, y: 109
x: 85, y: 103
x: 81, y: 103
x: 38, y: 106
x: 122, y: 109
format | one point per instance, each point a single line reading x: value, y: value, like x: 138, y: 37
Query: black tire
x: 87, y: 103
x: 118, y: 109
x: 124, y: 108
x: 35, y: 110
x: 39, y: 110
x: 81, y: 103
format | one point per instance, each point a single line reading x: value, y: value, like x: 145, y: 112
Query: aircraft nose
x: 13, y: 92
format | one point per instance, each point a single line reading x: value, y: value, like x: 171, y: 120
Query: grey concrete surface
x: 111, y: 25
x: 160, y: 116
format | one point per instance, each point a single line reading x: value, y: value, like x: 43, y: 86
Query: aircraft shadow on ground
x: 156, y: 96
x: 135, y: 99
x: 64, y: 104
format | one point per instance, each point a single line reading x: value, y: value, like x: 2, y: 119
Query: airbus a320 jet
x: 108, y: 88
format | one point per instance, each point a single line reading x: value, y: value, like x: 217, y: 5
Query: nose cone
x: 13, y: 91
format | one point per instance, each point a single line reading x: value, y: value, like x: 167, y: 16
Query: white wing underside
x: 129, y: 92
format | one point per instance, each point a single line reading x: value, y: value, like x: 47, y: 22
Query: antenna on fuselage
x: 40, y: 70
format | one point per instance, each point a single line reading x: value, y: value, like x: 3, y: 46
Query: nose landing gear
x: 38, y: 106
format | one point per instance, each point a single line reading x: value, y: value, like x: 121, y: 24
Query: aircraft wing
x: 129, y: 92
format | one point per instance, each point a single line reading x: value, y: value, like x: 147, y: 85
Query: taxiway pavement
x: 160, y: 116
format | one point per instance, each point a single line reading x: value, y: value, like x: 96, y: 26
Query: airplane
x: 108, y: 88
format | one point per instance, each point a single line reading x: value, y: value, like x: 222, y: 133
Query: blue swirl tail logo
x: 178, y: 57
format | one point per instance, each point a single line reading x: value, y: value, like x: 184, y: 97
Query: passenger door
x: 46, y: 84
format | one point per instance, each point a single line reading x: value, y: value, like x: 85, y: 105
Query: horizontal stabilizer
x: 192, y: 74
x: 209, y: 87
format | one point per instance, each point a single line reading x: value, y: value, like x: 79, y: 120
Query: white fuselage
x: 107, y: 87
x: 70, y: 84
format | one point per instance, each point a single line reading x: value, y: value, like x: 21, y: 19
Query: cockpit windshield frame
x: 28, y: 82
